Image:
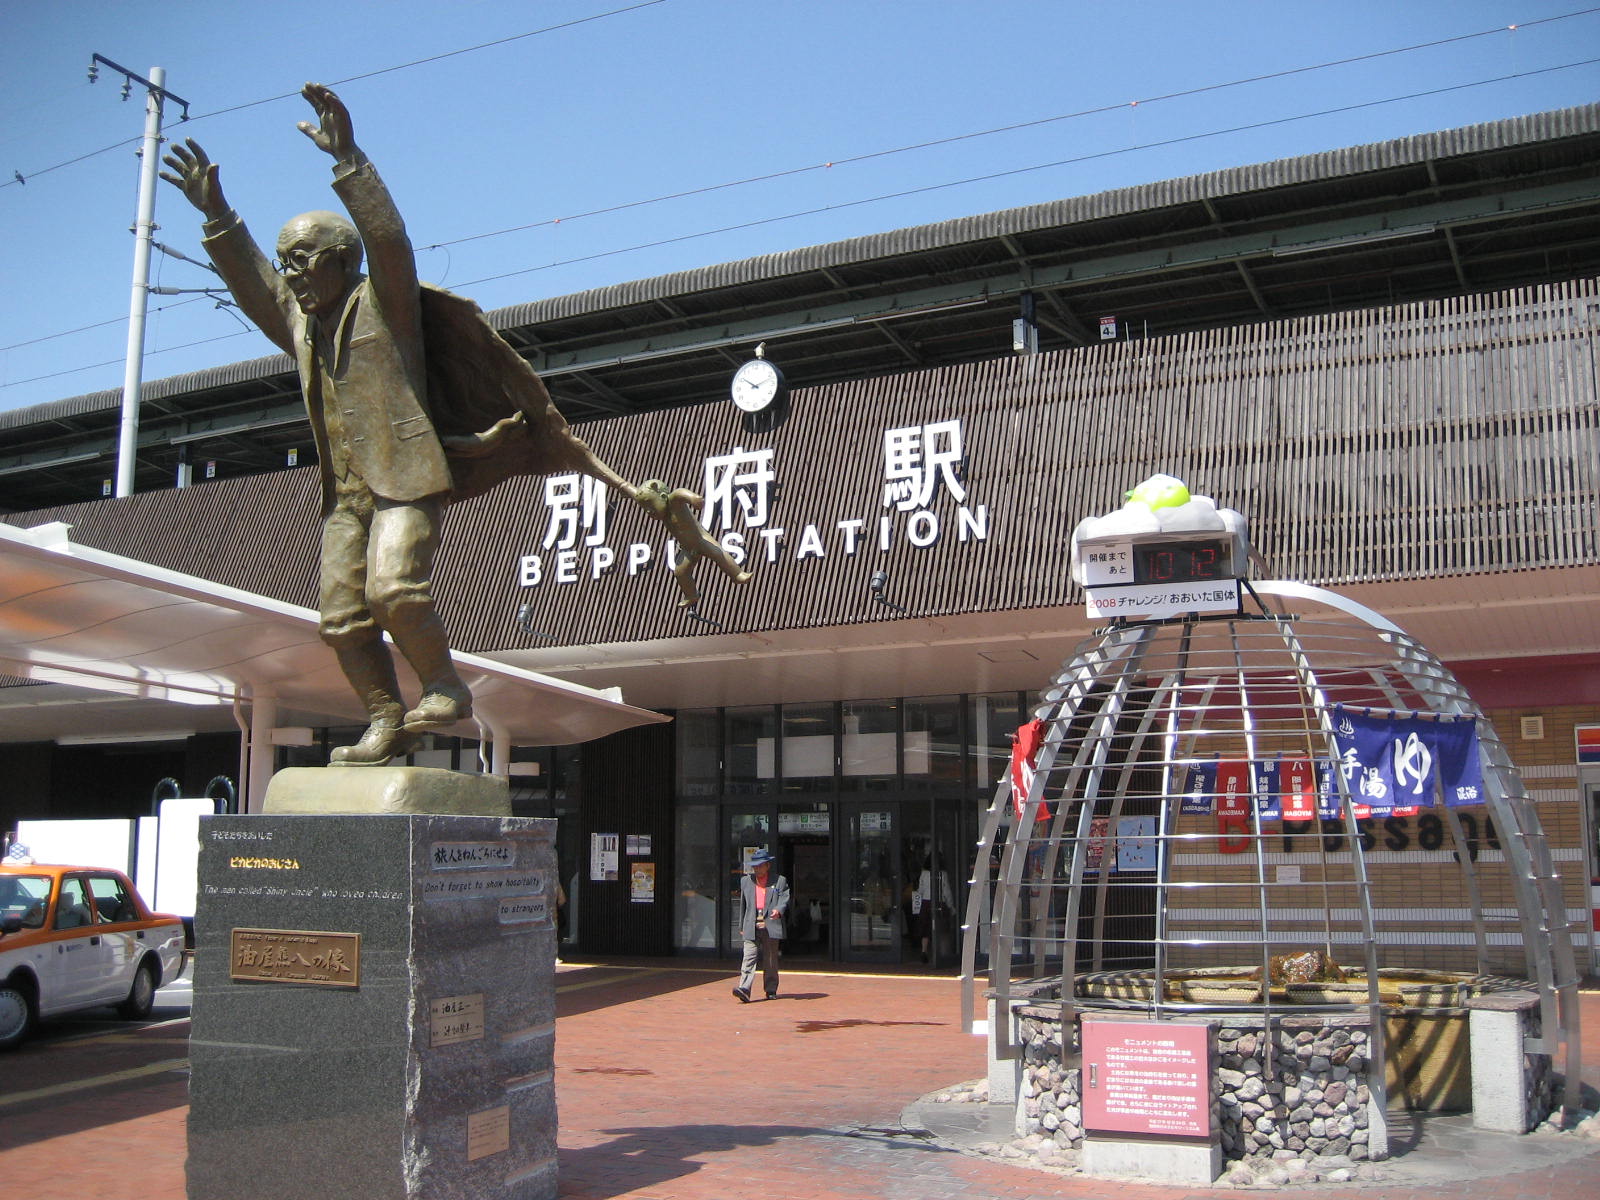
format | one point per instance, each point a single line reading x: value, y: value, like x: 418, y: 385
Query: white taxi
x: 78, y: 937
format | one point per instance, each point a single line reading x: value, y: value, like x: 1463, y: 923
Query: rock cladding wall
x: 1049, y: 1100
x: 1540, y: 1080
x: 1312, y: 1104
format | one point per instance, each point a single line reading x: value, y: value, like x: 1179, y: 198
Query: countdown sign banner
x: 1152, y: 580
x: 1156, y: 601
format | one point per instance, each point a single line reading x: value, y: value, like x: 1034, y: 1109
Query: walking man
x: 763, y: 901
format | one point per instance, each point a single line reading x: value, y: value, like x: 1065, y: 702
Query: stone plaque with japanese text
x: 303, y: 956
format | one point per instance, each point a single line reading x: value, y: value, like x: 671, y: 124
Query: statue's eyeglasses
x: 299, y: 261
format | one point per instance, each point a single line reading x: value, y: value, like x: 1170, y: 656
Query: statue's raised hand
x: 334, y: 134
x: 196, y: 176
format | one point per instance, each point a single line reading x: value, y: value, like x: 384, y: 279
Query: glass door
x: 873, y: 899
x: 749, y: 828
x: 805, y: 859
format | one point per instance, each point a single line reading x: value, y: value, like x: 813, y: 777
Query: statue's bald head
x: 321, y: 230
x: 319, y: 254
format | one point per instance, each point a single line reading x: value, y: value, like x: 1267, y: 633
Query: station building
x: 1385, y: 356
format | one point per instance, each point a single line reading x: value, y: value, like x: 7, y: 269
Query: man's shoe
x: 743, y: 994
x: 772, y: 995
x: 440, y: 707
x: 380, y: 743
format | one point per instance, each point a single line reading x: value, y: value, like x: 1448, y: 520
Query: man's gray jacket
x: 777, y: 900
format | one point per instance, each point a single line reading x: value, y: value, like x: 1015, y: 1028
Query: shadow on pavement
x: 855, y: 1023
x: 54, y: 1087
x: 582, y: 989
x: 639, y: 1158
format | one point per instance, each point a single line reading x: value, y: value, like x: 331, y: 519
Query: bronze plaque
x: 488, y: 1132
x: 304, y: 956
x: 453, y: 1019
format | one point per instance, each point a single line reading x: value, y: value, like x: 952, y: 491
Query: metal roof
x: 1472, y: 209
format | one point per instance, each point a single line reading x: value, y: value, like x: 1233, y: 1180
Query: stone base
x: 1164, y: 1159
x: 374, y: 1008
x: 419, y: 790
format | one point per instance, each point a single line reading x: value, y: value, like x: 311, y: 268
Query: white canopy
x: 74, y: 615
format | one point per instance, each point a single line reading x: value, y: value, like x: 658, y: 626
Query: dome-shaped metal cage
x: 1150, y: 866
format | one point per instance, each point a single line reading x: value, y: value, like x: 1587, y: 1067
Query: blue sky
x: 611, y: 104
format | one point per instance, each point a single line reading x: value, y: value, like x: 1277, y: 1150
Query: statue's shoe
x: 380, y: 743
x: 439, y: 707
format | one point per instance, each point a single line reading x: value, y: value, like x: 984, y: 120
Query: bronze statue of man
x: 369, y: 349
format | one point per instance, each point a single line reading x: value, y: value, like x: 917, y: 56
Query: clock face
x: 756, y: 385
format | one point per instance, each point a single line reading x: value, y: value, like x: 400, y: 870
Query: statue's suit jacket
x: 378, y: 368
x: 777, y: 898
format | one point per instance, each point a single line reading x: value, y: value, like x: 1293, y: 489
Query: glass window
x: 25, y: 896
x: 696, y: 900
x: 869, y: 758
x: 530, y: 781
x: 751, y: 750
x: 933, y: 758
x: 995, y: 719
x: 808, y: 747
x: 111, y: 900
x: 699, y: 752
x: 72, y: 908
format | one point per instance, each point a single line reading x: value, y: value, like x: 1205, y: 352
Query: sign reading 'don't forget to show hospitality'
x: 1149, y: 1078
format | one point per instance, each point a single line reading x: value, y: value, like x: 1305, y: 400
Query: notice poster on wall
x: 1144, y: 1077
x: 603, y: 849
x: 642, y: 877
x: 1094, y: 854
x: 1136, y: 844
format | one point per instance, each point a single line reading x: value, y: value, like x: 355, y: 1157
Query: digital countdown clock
x: 1160, y: 577
x: 1182, y: 562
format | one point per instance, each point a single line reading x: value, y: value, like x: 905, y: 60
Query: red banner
x: 1297, y: 785
x: 1024, y: 755
x: 1233, y: 807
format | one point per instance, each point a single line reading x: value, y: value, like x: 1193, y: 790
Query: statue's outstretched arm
x: 256, y: 287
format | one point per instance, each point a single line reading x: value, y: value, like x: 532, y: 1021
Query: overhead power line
x: 1063, y: 162
x: 870, y: 155
x: 112, y: 362
x: 1098, y: 110
x: 1076, y: 159
x: 23, y: 177
x: 122, y: 320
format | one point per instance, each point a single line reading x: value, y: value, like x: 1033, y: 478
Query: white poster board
x: 80, y: 843
x: 178, y: 855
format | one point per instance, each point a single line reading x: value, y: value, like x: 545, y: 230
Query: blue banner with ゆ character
x: 1390, y: 761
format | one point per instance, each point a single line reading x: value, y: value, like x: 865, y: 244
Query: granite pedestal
x: 374, y: 1008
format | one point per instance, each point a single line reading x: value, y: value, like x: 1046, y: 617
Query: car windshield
x: 25, y: 896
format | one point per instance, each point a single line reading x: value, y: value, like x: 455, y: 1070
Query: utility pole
x: 143, y: 232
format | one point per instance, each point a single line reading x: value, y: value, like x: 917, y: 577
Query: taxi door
x: 120, y: 945
x: 75, y: 960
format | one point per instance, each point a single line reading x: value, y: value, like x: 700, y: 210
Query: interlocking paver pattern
x: 671, y: 1090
